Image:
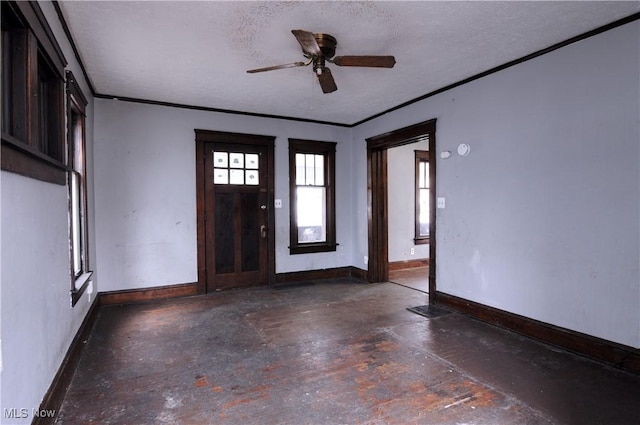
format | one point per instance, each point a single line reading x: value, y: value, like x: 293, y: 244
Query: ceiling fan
x: 319, y: 49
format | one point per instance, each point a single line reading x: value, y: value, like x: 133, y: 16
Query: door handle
x: 263, y: 231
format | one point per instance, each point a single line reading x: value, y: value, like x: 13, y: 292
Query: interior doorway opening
x: 408, y: 222
x: 378, y: 198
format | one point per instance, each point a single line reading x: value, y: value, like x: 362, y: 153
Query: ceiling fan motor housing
x: 327, y: 44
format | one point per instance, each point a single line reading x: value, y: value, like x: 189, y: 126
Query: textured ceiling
x: 196, y: 53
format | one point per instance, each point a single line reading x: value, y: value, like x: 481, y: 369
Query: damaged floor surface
x: 330, y: 353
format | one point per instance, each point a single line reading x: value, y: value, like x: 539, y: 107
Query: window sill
x: 311, y: 248
x: 421, y: 241
x: 80, y: 285
x: 20, y: 158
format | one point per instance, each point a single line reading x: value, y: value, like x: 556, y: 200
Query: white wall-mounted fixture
x: 445, y: 154
x: 463, y: 149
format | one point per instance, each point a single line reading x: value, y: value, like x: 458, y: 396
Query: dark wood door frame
x: 377, y: 198
x: 205, y: 136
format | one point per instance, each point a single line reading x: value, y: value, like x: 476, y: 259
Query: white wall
x: 38, y: 322
x: 542, y: 218
x: 401, y: 215
x: 146, y: 191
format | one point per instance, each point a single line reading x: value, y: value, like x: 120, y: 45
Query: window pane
x: 220, y: 176
x: 311, y: 212
x: 300, y: 169
x: 78, y: 151
x: 319, y: 170
x: 236, y: 176
x: 252, y: 177
x: 7, y: 85
x: 310, y: 169
x: 424, y: 212
x: 423, y: 175
x: 50, y: 114
x: 75, y: 223
x: 426, y: 174
x: 252, y: 160
x: 220, y: 159
x: 236, y: 160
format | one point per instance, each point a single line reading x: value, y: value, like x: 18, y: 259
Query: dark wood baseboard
x: 52, y: 399
x: 359, y: 273
x: 615, y: 354
x: 334, y: 273
x: 408, y: 264
x: 131, y: 296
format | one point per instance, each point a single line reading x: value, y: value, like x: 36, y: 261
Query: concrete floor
x: 330, y: 353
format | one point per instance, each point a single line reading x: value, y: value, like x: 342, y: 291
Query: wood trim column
x: 377, y: 209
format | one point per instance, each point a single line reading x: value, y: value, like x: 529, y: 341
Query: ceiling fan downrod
x: 318, y: 65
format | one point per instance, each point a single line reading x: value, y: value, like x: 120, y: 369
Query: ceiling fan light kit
x: 319, y: 48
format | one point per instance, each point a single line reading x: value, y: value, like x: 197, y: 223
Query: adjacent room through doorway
x: 384, y: 203
x: 408, y: 187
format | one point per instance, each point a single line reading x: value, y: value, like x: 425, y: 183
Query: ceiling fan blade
x: 308, y: 42
x: 327, y: 82
x: 271, y: 68
x: 368, y: 61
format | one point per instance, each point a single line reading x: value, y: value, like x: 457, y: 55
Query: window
x: 236, y: 168
x: 78, y: 229
x: 32, y: 95
x: 312, y: 198
x: 422, y: 198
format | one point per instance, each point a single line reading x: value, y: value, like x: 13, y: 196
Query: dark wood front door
x: 236, y: 214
